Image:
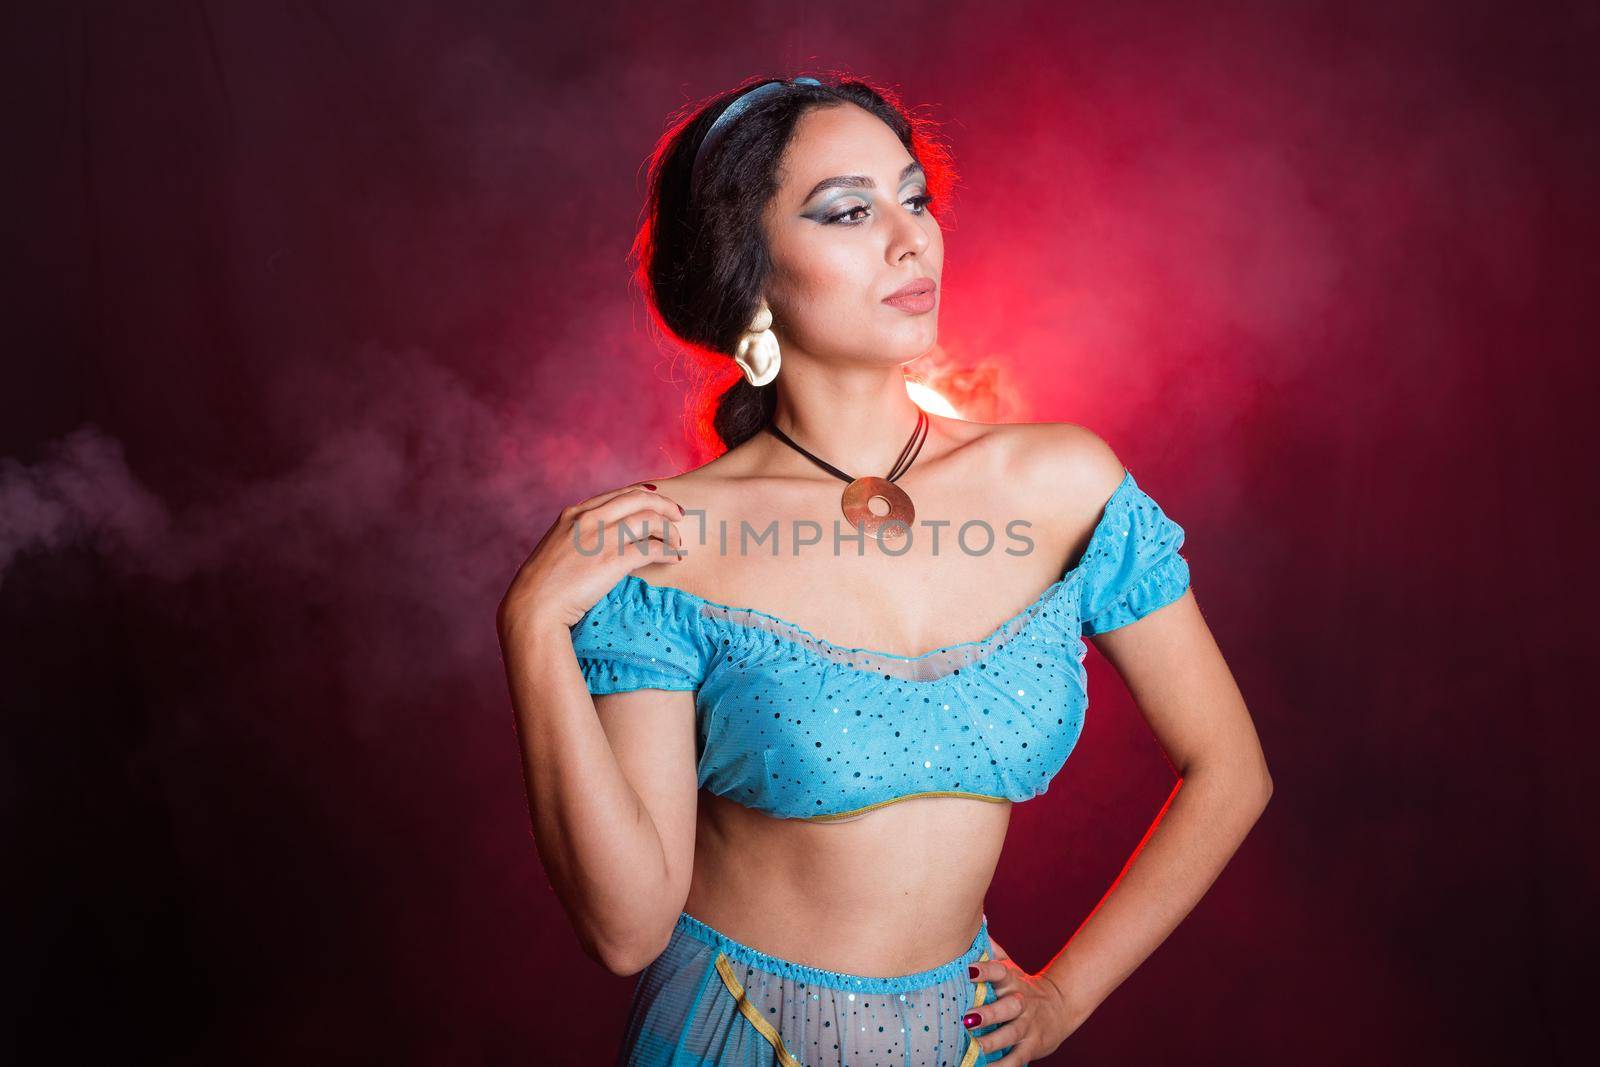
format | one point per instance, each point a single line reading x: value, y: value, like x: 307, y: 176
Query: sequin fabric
x: 795, y: 726
x: 708, y: 999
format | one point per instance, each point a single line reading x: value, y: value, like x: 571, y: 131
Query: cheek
x: 833, y: 279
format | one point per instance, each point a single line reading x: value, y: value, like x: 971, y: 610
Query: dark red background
x: 319, y: 312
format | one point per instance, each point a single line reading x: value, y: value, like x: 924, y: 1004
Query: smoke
x: 82, y: 493
x: 412, y: 499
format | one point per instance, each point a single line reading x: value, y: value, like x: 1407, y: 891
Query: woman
x: 789, y: 836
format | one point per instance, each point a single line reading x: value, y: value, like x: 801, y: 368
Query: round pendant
x: 884, y: 527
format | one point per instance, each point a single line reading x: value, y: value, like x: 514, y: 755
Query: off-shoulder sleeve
x: 639, y: 636
x: 1132, y: 565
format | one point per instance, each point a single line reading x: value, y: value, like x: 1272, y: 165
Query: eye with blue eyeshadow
x: 921, y: 201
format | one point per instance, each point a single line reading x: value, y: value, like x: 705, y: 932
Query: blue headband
x: 720, y: 127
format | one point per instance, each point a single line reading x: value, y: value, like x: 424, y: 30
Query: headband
x: 720, y: 127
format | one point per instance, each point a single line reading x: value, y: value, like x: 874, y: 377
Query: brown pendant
x: 883, y: 527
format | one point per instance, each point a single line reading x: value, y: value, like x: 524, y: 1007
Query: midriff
x: 892, y: 891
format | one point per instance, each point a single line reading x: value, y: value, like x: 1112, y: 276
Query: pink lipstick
x: 915, y: 297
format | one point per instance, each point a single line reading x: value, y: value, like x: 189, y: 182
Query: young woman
x: 774, y: 711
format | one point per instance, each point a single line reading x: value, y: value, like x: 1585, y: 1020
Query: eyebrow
x: 859, y: 181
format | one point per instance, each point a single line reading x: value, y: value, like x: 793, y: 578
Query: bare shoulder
x: 698, y: 488
x: 1072, y: 472
x: 1061, y: 462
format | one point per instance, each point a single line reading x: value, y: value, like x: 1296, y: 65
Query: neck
x: 857, y: 419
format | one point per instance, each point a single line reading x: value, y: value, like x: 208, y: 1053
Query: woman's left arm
x: 1183, y: 687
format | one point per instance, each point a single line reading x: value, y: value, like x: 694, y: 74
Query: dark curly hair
x: 703, y: 262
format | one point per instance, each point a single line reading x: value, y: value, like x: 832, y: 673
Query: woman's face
x: 839, y: 250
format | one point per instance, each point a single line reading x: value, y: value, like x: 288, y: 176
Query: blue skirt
x: 708, y: 999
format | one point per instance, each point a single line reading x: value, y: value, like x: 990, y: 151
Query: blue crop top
x: 798, y: 727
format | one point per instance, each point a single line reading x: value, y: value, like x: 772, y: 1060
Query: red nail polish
x: 972, y: 970
x: 650, y: 487
x: 970, y: 1020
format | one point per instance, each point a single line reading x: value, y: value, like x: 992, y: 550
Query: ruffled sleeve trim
x: 1158, y: 587
x: 1136, y: 567
x: 636, y: 637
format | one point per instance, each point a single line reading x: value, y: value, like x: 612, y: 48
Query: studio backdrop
x: 321, y: 312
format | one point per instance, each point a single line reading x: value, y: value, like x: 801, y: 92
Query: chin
x: 915, y: 337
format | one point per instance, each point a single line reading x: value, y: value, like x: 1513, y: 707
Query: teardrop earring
x: 757, y: 352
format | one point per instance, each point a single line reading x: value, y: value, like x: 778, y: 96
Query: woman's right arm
x: 612, y: 793
x: 610, y: 779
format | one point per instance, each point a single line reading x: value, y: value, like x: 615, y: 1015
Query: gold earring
x: 757, y: 352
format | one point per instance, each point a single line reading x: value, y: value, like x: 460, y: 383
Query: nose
x: 910, y: 235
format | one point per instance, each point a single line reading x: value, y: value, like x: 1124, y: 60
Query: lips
x: 914, y: 287
x: 915, y: 297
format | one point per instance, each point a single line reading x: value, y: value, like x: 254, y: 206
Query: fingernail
x: 972, y: 970
x: 970, y: 1020
x: 650, y: 487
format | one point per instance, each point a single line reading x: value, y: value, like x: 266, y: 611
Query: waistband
x: 736, y: 950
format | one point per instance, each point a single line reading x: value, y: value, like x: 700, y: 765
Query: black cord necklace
x: 860, y: 491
